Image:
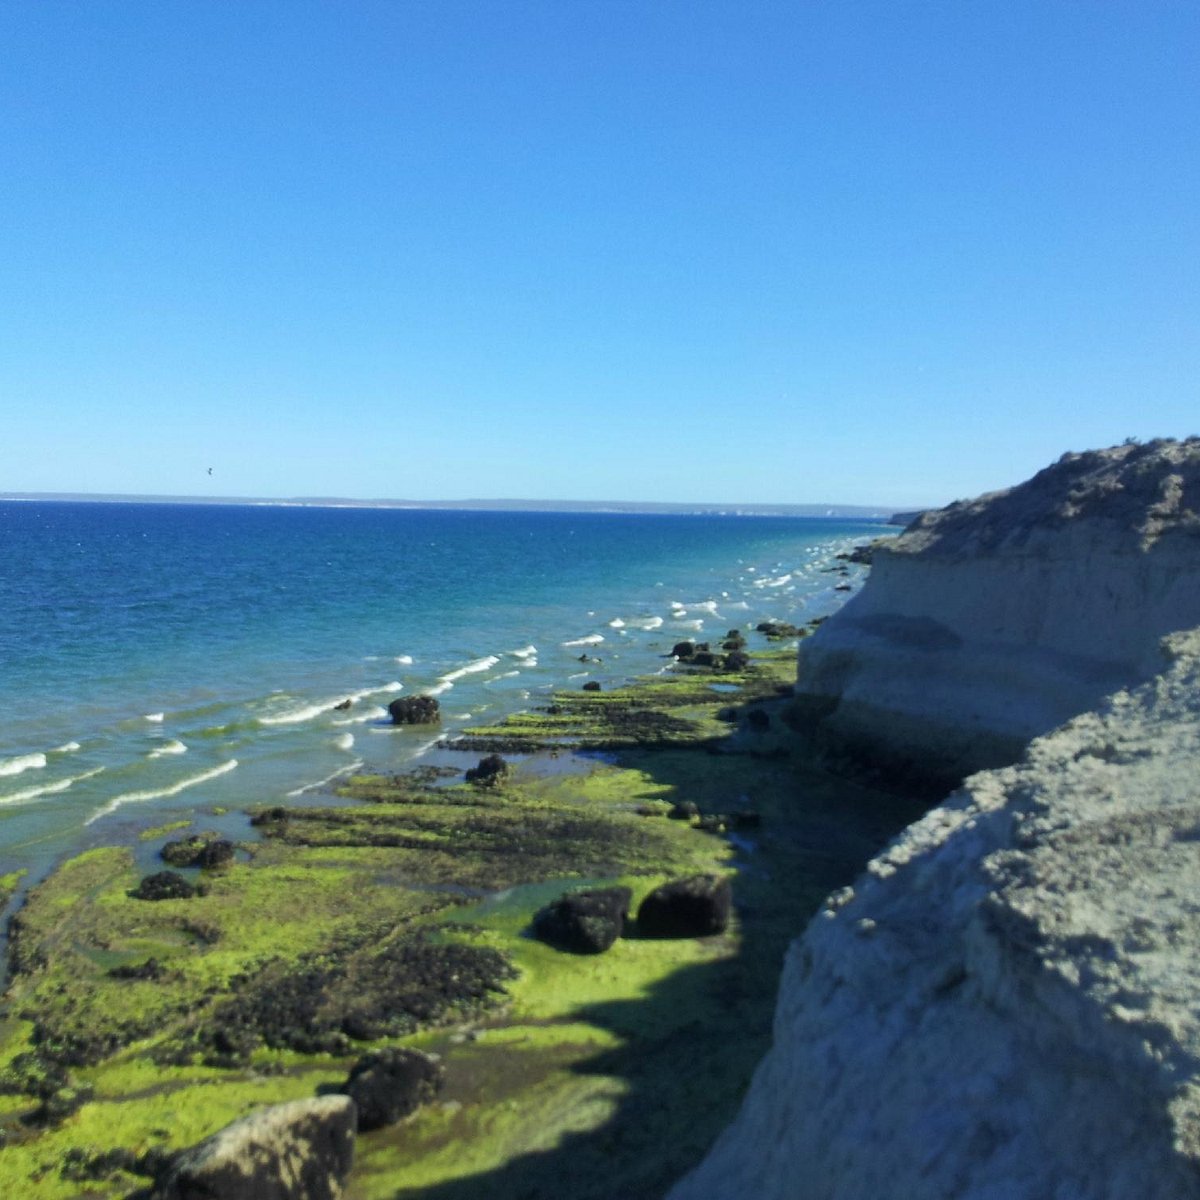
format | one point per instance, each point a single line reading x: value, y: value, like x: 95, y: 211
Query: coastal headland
x: 1004, y: 1003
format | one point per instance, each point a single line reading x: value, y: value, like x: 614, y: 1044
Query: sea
x: 158, y: 661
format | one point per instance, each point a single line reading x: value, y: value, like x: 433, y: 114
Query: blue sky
x: 889, y: 252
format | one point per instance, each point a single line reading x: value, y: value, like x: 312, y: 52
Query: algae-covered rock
x: 390, y: 1084
x: 164, y: 885
x: 489, y: 771
x: 297, y: 1151
x: 586, y: 922
x: 415, y: 710
x: 200, y: 850
x: 694, y: 907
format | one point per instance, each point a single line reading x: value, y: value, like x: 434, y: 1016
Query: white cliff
x: 1006, y: 1005
x: 992, y: 621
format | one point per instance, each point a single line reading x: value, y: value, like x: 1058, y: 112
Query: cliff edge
x: 992, y: 621
x: 1005, y: 1004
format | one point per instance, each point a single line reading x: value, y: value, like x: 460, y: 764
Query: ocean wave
x: 308, y: 711
x: 472, y: 668
x: 22, y: 763
x: 740, y: 605
x: 320, y: 783
x: 67, y: 748
x: 773, y: 583
x: 344, y: 741
x: 48, y: 789
x: 174, y: 746
x: 160, y: 793
x: 524, y: 652
x: 438, y: 689
x: 698, y: 623
x: 405, y: 660
x: 616, y: 623
x: 647, y: 623
x: 505, y: 675
x: 375, y: 713
x: 592, y: 639
x: 154, y: 717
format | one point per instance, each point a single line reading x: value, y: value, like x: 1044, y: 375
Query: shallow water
x: 161, y: 659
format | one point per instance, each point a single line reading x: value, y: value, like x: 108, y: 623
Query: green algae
x: 566, y: 1075
x: 149, y: 835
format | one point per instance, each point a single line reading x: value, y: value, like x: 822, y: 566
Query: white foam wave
x: 68, y: 748
x: 592, y: 639
x: 472, y: 668
x: 405, y: 660
x: 646, y: 623
x: 437, y: 690
x: 525, y: 652
x: 740, y: 605
x: 48, y: 789
x: 308, y: 711
x: 504, y: 675
x: 22, y: 763
x: 375, y: 713
x: 160, y: 793
x: 616, y: 623
x: 297, y: 714
x: 696, y: 624
x: 312, y: 787
x: 174, y: 746
x: 155, y: 717
x: 344, y: 741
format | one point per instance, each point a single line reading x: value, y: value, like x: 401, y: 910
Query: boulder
x: 694, y: 907
x: 736, y: 660
x: 683, y: 649
x: 489, y: 771
x: 390, y: 1084
x: 200, y: 850
x: 345, y: 704
x: 758, y: 720
x: 586, y: 922
x: 297, y: 1151
x: 415, y: 710
x: 684, y: 810
x: 591, y: 686
x: 164, y: 885
x: 704, y: 658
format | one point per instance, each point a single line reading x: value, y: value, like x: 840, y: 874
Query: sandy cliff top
x: 1141, y: 493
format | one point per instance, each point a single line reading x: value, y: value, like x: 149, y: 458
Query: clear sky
x: 859, y: 252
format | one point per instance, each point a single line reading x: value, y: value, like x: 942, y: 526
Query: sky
x: 806, y: 252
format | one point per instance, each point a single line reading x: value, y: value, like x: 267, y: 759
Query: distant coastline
x: 880, y: 512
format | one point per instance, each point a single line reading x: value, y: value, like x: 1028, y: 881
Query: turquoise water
x: 158, y: 659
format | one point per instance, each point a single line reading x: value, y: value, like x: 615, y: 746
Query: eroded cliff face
x: 1004, y: 1006
x: 992, y: 621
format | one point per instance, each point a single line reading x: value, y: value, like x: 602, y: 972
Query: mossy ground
x: 566, y: 1075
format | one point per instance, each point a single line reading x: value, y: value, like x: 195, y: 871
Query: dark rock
x: 704, y: 658
x: 736, y: 660
x: 758, y: 720
x: 683, y: 649
x: 165, y: 885
x: 685, y: 810
x: 734, y: 633
x: 703, y: 646
x: 694, y: 907
x: 415, y: 710
x: 270, y: 816
x: 150, y: 969
x: 489, y: 772
x: 734, y: 643
x: 728, y: 714
x: 201, y: 850
x: 388, y: 1085
x: 345, y: 704
x: 713, y: 823
x: 297, y: 1151
x: 584, y: 922
x: 777, y: 630
x: 591, y: 686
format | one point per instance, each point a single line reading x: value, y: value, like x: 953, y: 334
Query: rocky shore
x: 1004, y: 1003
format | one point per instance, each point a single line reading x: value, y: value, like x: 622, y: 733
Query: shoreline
x: 422, y: 851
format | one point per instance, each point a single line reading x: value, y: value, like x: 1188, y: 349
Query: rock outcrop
x: 995, y: 620
x: 297, y: 1151
x: 1004, y: 1004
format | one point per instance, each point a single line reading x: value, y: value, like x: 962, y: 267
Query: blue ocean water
x: 160, y: 659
